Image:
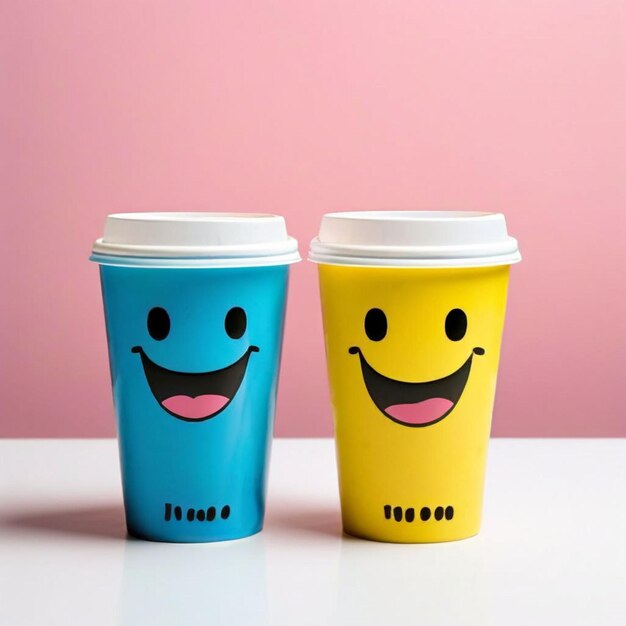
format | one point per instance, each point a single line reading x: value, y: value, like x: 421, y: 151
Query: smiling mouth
x: 415, y: 404
x: 191, y: 396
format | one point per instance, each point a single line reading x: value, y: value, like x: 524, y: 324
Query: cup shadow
x: 104, y: 522
x: 107, y: 522
x: 304, y: 519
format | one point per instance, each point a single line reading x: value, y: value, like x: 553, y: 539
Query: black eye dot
x: 235, y: 322
x: 158, y: 323
x: 456, y: 324
x: 376, y: 324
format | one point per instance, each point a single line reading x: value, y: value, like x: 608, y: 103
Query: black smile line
x: 165, y: 383
x: 386, y: 392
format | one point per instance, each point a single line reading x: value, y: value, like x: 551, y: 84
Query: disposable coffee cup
x: 413, y: 307
x: 194, y: 306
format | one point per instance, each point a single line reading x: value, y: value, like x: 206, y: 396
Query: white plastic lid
x: 195, y: 240
x: 414, y: 239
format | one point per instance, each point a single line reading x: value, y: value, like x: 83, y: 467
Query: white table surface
x: 552, y: 549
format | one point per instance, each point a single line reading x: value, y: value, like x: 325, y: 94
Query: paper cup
x: 413, y: 307
x: 194, y: 306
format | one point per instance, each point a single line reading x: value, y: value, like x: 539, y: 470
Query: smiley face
x: 194, y: 396
x: 415, y: 404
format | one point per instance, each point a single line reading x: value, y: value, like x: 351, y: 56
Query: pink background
x: 305, y: 107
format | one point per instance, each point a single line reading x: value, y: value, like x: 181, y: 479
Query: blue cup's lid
x: 195, y: 240
x: 414, y: 239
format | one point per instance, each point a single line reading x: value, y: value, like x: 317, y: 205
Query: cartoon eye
x: 235, y: 322
x: 375, y: 324
x: 456, y: 324
x: 158, y: 323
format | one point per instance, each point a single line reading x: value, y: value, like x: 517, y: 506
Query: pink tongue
x: 195, y: 408
x: 420, y: 412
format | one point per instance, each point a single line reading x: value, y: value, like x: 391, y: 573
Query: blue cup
x: 194, y: 351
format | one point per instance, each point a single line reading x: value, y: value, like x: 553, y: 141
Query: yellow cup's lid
x: 414, y: 239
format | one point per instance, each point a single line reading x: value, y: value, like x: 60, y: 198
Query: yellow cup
x: 412, y: 346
